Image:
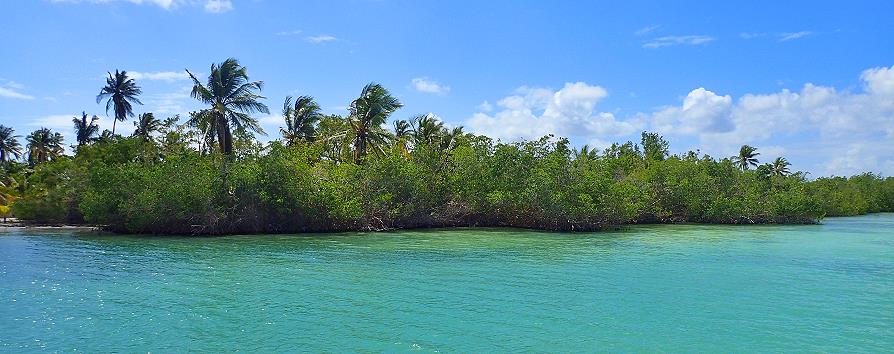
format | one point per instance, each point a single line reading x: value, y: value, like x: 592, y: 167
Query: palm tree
x: 368, y: 113
x: 450, y: 138
x: 427, y: 129
x: 145, y: 125
x: 232, y: 98
x: 85, y: 131
x: 747, y: 157
x: 780, y: 167
x: 44, y: 145
x: 301, y: 119
x: 9, y: 144
x: 121, y: 92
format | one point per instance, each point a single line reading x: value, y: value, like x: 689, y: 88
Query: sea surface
x: 668, y: 288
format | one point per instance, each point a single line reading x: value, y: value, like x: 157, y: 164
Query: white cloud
x: 218, y: 6
x: 11, y: 93
x: 424, y: 84
x: 534, y: 112
x: 820, y: 120
x: 169, y: 76
x: 784, y: 37
x: 646, y: 30
x: 321, y: 38
x: 171, y: 103
x: 485, y: 107
x: 212, y: 6
x: 702, y: 111
x: 289, y: 33
x: 667, y: 41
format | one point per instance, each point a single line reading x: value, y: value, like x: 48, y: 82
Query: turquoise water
x: 822, y: 288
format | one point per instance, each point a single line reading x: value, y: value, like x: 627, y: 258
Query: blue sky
x: 813, y: 81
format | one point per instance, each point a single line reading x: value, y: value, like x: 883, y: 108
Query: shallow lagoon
x: 699, y: 288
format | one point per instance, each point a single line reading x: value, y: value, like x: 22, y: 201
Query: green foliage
x: 166, y: 186
x: 210, y: 175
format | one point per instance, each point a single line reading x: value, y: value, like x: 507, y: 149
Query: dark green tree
x: 781, y: 167
x: 120, y: 93
x: 146, y: 125
x: 86, y: 131
x: 301, y: 119
x: 368, y: 113
x: 44, y: 145
x: 232, y: 99
x: 9, y: 144
x: 746, y: 158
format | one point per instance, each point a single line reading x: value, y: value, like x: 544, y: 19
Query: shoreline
x: 24, y: 225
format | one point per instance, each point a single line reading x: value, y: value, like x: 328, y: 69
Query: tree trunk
x: 114, y: 121
x: 224, y: 139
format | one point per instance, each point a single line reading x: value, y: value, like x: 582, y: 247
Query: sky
x: 812, y: 81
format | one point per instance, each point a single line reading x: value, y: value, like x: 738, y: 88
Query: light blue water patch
x: 690, y: 288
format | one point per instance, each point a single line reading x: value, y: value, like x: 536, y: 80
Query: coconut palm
x: 86, y: 131
x: 427, y: 129
x: 145, y: 125
x: 401, y: 128
x: 44, y: 145
x: 368, y: 113
x: 746, y: 158
x: 232, y: 98
x: 780, y: 167
x: 120, y: 93
x: 301, y: 119
x: 9, y: 144
x: 450, y: 138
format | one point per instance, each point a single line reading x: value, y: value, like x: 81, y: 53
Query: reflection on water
x: 826, y: 287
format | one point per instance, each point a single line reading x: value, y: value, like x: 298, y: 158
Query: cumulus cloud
x: 817, y: 119
x: 169, y: 76
x: 424, y: 84
x: 702, y: 111
x: 321, y: 38
x: 667, y: 41
x: 531, y: 113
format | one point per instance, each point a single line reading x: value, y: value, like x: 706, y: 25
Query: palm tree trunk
x: 113, y: 125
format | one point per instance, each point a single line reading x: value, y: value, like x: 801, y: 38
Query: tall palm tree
x: 301, y: 119
x: 780, y: 167
x: 368, y: 113
x: 232, y: 98
x: 121, y: 93
x: 145, y: 125
x: 44, y: 145
x: 86, y: 131
x: 9, y: 144
x: 747, y: 157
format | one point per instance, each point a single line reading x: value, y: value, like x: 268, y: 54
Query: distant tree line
x: 208, y: 174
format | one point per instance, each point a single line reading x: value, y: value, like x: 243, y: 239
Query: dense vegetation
x: 208, y: 174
